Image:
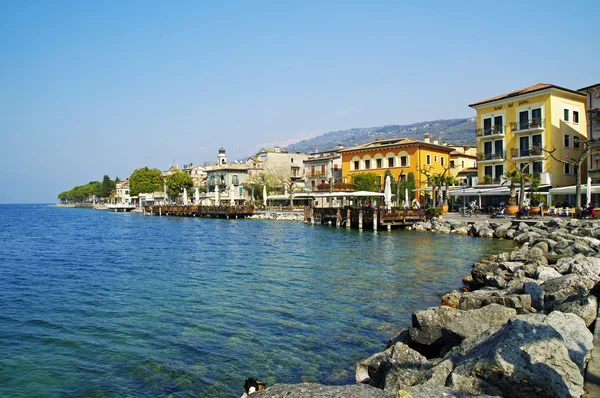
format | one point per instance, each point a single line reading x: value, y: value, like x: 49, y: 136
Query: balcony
x: 496, y: 131
x: 316, y: 174
x: 491, y: 156
x: 526, y: 153
x: 528, y: 126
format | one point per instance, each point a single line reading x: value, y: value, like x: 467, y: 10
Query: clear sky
x: 89, y: 88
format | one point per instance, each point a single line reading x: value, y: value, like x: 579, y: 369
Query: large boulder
x: 520, y: 302
x: 536, y: 293
x: 500, y: 231
x: 588, y: 267
x: 544, y: 273
x: 559, y: 289
x: 584, y: 306
x: 397, y: 367
x: 432, y: 391
x: 475, y: 299
x: 310, y: 390
x: 472, y: 385
x: 428, y: 324
x: 525, y: 358
x: 473, y: 323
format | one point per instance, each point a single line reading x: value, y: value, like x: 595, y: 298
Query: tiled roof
x: 392, y: 142
x: 588, y: 87
x: 526, y: 90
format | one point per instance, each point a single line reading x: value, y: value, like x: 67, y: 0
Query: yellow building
x: 399, y: 155
x: 511, y: 126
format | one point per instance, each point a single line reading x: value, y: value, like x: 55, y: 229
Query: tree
x: 518, y: 175
x: 177, y: 181
x: 513, y: 176
x: 107, y: 187
x: 366, y: 182
x: 576, y: 163
x: 145, y: 180
x: 436, y: 181
x: 409, y: 184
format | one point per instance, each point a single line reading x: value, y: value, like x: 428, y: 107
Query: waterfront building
x: 122, y: 196
x: 400, y: 156
x: 593, y: 117
x: 225, y: 182
x: 512, y: 127
x: 321, y: 169
x: 281, y: 169
x: 463, y: 159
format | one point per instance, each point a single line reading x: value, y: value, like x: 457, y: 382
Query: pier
x: 363, y: 217
x: 201, y: 211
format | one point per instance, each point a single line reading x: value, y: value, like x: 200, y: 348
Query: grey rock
x: 472, y: 385
x: 474, y: 300
x: 438, y: 374
x: 559, y: 289
x: 536, y: 293
x: 525, y: 358
x: 546, y: 273
x: 520, y: 302
x: 430, y: 391
x: 310, y: 390
x: 584, y: 306
x: 451, y: 299
x: 588, y: 267
x: 403, y: 336
x: 501, y: 230
x: 475, y: 322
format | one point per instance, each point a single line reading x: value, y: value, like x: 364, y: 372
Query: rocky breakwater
x: 520, y: 329
x: 279, y: 215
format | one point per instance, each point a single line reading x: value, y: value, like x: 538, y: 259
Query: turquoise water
x: 98, y: 304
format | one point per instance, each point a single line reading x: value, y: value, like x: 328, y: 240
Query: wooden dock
x: 201, y: 211
x: 364, y: 218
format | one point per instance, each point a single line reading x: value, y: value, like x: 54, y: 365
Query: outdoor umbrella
x: 185, y: 197
x: 406, y: 199
x: 197, y: 196
x: 387, y: 193
x: 265, y: 194
x: 589, y: 191
x: 216, y: 195
x: 231, y: 195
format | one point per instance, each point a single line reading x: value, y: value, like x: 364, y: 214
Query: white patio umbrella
x: 197, y: 196
x: 589, y: 191
x: 265, y: 194
x: 185, y: 198
x: 216, y: 195
x: 406, y: 199
x: 231, y: 195
x: 387, y: 193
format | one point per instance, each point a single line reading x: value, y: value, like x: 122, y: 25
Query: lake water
x: 100, y: 304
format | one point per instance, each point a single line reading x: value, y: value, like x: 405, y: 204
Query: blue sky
x: 94, y: 88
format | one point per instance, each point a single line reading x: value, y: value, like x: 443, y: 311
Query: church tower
x: 222, y: 157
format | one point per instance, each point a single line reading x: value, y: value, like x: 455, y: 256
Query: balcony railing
x: 532, y: 124
x: 316, y: 174
x: 522, y: 152
x: 491, y: 156
x: 496, y: 130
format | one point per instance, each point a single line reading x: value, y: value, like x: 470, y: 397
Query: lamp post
x: 464, y: 191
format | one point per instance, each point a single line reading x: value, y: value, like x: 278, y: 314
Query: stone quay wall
x: 520, y: 329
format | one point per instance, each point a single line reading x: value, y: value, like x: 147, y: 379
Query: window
x: 575, y: 142
x: 575, y: 117
x: 530, y: 119
x: 292, y: 160
x: 235, y: 179
x: 367, y: 164
x: 452, y: 163
x: 428, y: 160
x: 487, y: 150
x: 379, y: 163
x: 126, y: 192
x: 498, y: 172
x: 498, y: 125
x: 356, y: 165
x: 536, y: 140
x: 487, y: 171
x: 524, y: 146
x: 537, y: 167
x: 403, y: 161
x: 323, y: 170
x: 462, y: 164
x: 498, y: 149
x: 335, y: 167
x: 566, y: 115
x: 487, y: 126
x: 567, y: 168
x: 524, y: 167
x: 567, y: 141
x: 442, y: 160
x: 390, y: 162
x: 435, y: 158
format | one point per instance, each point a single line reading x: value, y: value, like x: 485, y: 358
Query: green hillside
x: 454, y: 131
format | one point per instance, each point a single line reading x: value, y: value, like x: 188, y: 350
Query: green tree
x: 107, y: 186
x: 366, y: 182
x: 145, y: 180
x: 177, y: 181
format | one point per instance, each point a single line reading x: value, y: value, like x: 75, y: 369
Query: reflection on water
x: 104, y: 304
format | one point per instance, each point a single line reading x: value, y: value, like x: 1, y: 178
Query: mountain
x: 454, y: 131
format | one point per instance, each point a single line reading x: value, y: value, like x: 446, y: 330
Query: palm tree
x: 513, y: 176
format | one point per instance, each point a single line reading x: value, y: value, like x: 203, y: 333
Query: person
x: 416, y: 204
x: 473, y: 205
x: 499, y: 212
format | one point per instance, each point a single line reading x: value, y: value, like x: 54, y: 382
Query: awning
x: 496, y: 191
x: 571, y: 190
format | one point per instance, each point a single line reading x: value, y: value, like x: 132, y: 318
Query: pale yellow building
x: 512, y: 126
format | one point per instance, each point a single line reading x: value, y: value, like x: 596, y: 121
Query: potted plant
x: 513, y: 176
x: 431, y: 212
x: 488, y: 179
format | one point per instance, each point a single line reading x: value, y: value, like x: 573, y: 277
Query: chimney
x: 277, y: 149
x: 426, y: 139
x: 436, y: 141
x: 445, y: 143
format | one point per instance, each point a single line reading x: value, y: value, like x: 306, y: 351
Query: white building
x: 322, y: 169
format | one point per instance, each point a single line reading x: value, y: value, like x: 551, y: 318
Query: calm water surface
x: 98, y: 304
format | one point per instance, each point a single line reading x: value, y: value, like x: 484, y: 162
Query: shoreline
x: 540, y: 304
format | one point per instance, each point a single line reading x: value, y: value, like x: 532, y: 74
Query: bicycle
x: 473, y: 212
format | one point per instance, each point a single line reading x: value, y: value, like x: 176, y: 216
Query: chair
x: 552, y: 211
